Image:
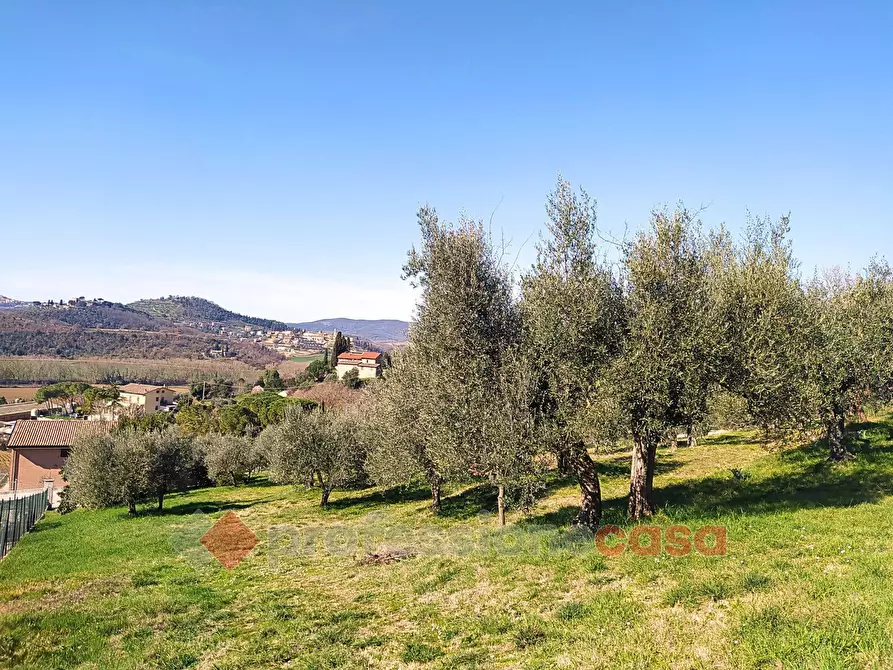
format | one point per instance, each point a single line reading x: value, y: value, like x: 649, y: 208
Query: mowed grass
x: 806, y: 581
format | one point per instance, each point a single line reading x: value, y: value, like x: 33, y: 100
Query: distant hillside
x: 375, y: 330
x: 188, y: 309
x: 9, y: 302
x: 114, y: 331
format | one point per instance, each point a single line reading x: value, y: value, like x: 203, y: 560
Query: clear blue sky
x: 271, y: 155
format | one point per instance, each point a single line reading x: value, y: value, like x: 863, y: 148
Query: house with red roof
x: 368, y: 363
x: 37, y: 451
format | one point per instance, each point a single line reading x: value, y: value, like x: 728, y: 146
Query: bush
x: 270, y: 407
x: 351, y: 378
x: 318, y: 369
x: 237, y: 420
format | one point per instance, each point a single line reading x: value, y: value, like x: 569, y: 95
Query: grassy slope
x: 309, y: 358
x: 806, y: 582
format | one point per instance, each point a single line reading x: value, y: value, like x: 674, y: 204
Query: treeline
x: 121, y: 371
x: 628, y: 342
x: 631, y: 342
x: 151, y: 346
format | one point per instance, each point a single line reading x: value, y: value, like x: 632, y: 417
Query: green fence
x: 17, y: 516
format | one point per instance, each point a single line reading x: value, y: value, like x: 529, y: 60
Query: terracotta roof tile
x: 358, y: 357
x: 54, y: 433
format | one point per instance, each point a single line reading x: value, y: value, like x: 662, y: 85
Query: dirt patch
x: 386, y: 556
x: 13, y: 392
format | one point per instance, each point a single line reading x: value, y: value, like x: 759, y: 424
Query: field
x: 25, y: 370
x: 805, y: 581
x: 23, y: 392
x: 309, y: 358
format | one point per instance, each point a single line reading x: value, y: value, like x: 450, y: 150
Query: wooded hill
x: 190, y: 309
x: 113, y: 331
x: 374, y: 330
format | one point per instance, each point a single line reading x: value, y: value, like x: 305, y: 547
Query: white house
x: 367, y: 363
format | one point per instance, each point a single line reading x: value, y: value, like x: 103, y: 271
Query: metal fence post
x: 4, y: 526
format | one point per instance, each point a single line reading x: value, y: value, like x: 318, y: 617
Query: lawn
x: 308, y: 358
x: 805, y: 582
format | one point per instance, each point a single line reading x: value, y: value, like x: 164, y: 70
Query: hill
x: 6, y: 303
x: 114, y: 331
x: 374, y: 330
x: 199, y: 312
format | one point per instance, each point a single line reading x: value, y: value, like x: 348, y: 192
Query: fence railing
x: 18, y: 515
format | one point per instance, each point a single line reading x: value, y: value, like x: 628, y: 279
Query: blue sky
x: 271, y: 155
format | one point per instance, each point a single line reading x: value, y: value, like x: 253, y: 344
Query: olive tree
x: 230, y: 459
x: 848, y: 356
x: 765, y: 319
x: 572, y: 315
x: 467, y: 322
x: 401, y: 448
x: 315, y: 448
x: 130, y: 467
x: 668, y: 366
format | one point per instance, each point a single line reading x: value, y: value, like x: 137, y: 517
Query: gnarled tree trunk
x: 581, y: 464
x: 835, y: 427
x: 435, y: 495
x: 500, y: 503
x: 641, y: 480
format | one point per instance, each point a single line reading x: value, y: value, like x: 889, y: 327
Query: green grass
x: 309, y: 358
x: 806, y: 581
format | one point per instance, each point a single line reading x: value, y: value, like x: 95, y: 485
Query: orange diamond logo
x: 229, y: 540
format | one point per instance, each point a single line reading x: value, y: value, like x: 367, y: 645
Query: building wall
x: 365, y: 372
x: 149, y: 403
x: 31, y: 466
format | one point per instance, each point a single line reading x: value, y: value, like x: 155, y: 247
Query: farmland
x: 13, y: 392
x: 805, y: 581
x: 102, y: 370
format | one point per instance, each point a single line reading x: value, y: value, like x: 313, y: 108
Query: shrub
x: 351, y: 378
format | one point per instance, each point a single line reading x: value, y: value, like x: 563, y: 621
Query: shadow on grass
x: 471, y: 502
x: 206, y: 506
x: 728, y: 440
x: 809, y: 480
x: 363, y: 501
x: 43, y: 525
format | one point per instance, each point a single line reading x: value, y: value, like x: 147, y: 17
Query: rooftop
x: 54, y: 433
x: 373, y: 355
x: 139, y: 389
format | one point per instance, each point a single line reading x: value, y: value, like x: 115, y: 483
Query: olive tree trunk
x: 581, y: 464
x: 641, y: 480
x: 835, y: 427
x: 500, y: 503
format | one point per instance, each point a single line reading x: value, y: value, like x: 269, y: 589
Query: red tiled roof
x: 358, y: 357
x: 54, y: 433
